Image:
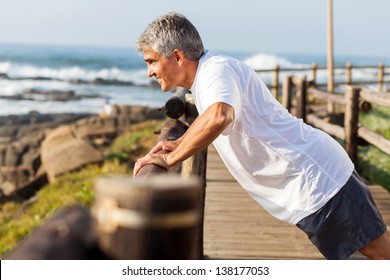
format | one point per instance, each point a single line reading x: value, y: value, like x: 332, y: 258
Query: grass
x: 17, y: 220
x: 374, y: 163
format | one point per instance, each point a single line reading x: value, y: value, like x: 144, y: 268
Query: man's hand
x: 203, y: 131
x: 158, y: 159
x: 167, y: 146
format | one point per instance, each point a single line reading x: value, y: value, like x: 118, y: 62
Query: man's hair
x: 169, y: 32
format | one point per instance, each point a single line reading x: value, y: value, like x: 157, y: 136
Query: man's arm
x: 205, y: 129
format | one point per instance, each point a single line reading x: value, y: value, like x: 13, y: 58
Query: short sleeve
x: 221, y: 84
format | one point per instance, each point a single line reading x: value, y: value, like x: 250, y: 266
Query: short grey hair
x: 169, y: 32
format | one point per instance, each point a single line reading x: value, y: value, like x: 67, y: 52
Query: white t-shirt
x: 290, y: 168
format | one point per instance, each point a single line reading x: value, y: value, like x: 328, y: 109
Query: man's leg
x: 378, y: 249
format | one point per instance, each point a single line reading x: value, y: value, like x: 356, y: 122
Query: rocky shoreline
x: 36, y: 148
x: 14, y: 127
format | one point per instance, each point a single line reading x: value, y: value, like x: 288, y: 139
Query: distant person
x: 299, y: 174
x: 106, y: 109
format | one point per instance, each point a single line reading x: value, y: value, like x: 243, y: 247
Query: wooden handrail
x: 172, y: 130
x: 378, y: 98
x: 383, y: 71
x: 334, y: 98
x: 354, y: 99
x: 332, y: 129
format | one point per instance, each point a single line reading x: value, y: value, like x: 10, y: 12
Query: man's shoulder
x: 213, y: 56
x: 213, y: 61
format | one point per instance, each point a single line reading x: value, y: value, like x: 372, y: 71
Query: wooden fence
x: 353, y: 100
x: 381, y: 70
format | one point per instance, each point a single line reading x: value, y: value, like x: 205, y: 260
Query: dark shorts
x: 347, y: 222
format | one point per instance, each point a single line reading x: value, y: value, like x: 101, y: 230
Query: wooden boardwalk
x: 236, y: 227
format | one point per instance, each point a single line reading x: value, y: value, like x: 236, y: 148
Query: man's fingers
x: 150, y: 158
x: 156, y: 148
x: 136, y: 168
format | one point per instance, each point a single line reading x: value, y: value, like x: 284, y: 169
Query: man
x: 297, y: 173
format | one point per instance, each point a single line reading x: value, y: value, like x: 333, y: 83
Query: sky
x: 361, y: 27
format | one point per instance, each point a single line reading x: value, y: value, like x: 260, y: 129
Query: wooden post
x: 175, y: 106
x: 191, y: 113
x: 314, y: 73
x: 351, y: 120
x: 147, y: 219
x: 348, y: 74
x: 330, y: 53
x: 275, y: 83
x: 301, y: 98
x: 381, y: 74
x: 196, y: 166
x: 286, y: 92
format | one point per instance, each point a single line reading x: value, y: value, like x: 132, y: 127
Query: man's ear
x: 179, y: 56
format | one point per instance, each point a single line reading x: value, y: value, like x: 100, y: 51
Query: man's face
x: 164, y: 69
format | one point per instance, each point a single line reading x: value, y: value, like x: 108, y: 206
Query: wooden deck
x: 236, y: 227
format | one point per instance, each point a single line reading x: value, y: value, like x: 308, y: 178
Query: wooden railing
x: 353, y: 100
x: 382, y: 72
x: 152, y: 216
x: 182, y: 112
x: 176, y: 233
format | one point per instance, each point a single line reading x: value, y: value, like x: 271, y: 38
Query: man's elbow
x: 225, y: 116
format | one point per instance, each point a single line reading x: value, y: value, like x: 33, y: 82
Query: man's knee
x: 378, y: 249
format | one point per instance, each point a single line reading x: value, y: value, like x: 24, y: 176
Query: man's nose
x: 150, y: 72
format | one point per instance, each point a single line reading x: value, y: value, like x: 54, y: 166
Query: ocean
x: 98, y: 74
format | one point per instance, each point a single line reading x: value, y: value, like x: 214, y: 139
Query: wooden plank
x: 378, y: 98
x: 375, y: 139
x: 332, y: 129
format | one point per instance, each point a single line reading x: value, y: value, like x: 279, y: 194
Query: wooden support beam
x: 301, y: 86
x: 286, y: 92
x: 351, y: 120
x: 332, y: 129
x: 175, y: 106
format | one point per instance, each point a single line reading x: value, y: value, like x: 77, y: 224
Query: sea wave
x: 267, y: 61
x: 264, y: 61
x: 26, y: 71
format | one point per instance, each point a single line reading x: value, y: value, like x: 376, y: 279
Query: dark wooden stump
x: 148, y: 218
x: 68, y: 235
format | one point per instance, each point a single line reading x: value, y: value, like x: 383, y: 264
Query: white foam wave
x: 267, y: 61
x: 262, y: 61
x: 15, y: 70
x: 15, y: 87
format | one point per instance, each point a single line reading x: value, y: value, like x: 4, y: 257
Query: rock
x: 36, y: 148
x: 100, y: 81
x: 99, y: 137
x: 62, y: 152
x: 8, y: 131
x: 13, y: 178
